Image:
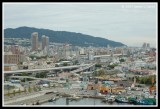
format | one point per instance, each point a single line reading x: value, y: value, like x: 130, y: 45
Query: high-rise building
x: 148, y: 45
x: 91, y: 55
x: 45, y: 43
x: 34, y: 41
x: 144, y: 45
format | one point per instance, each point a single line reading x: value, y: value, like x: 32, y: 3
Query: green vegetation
x: 56, y: 65
x: 6, y: 77
x: 24, y: 74
x: 98, y: 65
x: 73, y: 38
x: 62, y: 60
x: 19, y: 91
x: 99, y: 72
x: 34, y: 88
x: 32, y: 57
x: 14, y: 92
x: 8, y: 93
x: 75, y: 62
x: 49, y: 84
x: 25, y: 90
x: 20, y: 63
x: 145, y: 80
x: 41, y: 75
x: 39, y: 88
x: 29, y: 89
x: 112, y: 66
x: 65, y: 64
x: 122, y: 60
x: 48, y: 62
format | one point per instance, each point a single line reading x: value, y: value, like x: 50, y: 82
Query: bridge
x: 82, y: 69
x: 98, y: 56
x: 55, y: 68
x: 46, y: 79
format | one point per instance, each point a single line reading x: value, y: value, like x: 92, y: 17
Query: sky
x: 129, y: 23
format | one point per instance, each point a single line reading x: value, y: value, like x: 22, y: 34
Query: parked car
x: 45, y: 85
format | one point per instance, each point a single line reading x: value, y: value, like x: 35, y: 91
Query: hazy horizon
x: 130, y: 24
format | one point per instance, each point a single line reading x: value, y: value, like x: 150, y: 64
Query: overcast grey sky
x: 131, y: 24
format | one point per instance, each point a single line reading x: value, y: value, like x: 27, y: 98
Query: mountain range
x: 77, y: 39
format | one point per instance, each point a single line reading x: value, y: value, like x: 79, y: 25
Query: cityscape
x: 44, y: 67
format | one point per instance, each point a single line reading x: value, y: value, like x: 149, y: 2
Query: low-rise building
x: 10, y: 67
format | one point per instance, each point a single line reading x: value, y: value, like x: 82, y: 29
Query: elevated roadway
x: 45, y: 69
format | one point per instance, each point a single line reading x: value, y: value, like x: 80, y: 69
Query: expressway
x: 55, y: 68
x: 82, y: 69
x: 98, y: 56
x: 46, y: 79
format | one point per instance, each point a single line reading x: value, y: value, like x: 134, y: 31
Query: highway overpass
x: 46, y: 79
x: 98, y: 56
x: 46, y: 69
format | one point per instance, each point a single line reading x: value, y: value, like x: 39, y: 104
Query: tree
x: 121, y: 60
x: 39, y: 88
x: 24, y: 74
x: 29, y: 89
x: 6, y: 77
x: 32, y: 57
x: 65, y: 64
x: 34, y: 88
x: 25, y: 90
x: 101, y: 72
x: 14, y: 92
x: 37, y: 75
x: 21, y: 63
x: 8, y: 91
x: 49, y: 84
x: 98, y: 65
x: 112, y: 66
x: 19, y: 91
x: 76, y: 62
x: 94, y: 73
x: 56, y: 65
x: 42, y: 75
x: 48, y: 62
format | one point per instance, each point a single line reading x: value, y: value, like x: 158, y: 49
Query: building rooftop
x: 10, y: 64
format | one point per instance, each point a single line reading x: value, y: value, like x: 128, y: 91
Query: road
x: 54, y: 68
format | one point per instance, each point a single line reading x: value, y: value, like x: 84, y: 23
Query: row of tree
x: 146, y: 80
x: 38, y: 75
x: 99, y: 72
x: 29, y: 89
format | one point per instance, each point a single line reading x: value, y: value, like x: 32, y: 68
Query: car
x: 45, y: 85
x: 55, y: 91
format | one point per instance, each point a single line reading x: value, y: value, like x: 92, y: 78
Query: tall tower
x: 148, y: 45
x: 45, y: 43
x: 34, y: 41
x: 144, y: 45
